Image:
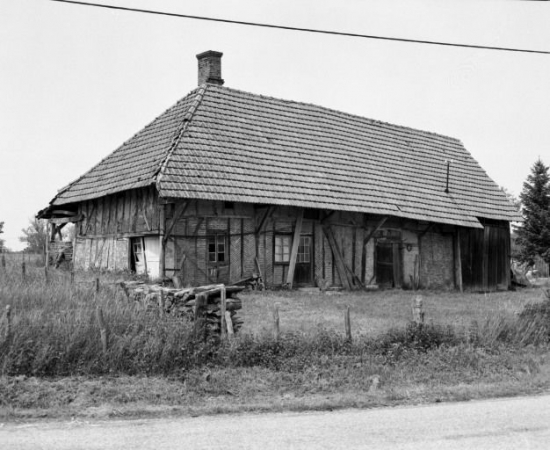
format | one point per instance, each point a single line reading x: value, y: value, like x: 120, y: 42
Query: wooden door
x: 303, y: 274
x: 388, y: 264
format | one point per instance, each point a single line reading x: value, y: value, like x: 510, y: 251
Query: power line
x: 308, y: 30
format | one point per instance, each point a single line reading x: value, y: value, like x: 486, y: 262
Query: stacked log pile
x: 215, y: 306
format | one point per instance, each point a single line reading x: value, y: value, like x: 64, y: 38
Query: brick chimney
x: 210, y: 67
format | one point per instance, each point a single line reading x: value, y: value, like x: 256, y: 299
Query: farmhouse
x: 226, y: 184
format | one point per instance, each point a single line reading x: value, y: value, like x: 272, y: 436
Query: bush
x: 414, y: 338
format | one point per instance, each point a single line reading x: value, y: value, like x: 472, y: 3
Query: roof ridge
x: 337, y: 111
x: 199, y: 94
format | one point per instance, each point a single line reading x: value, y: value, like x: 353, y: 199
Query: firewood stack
x: 202, y: 302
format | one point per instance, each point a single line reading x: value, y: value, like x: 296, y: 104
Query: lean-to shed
x: 226, y: 183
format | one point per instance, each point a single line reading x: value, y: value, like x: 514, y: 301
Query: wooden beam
x: 327, y: 216
x: 62, y: 212
x: 162, y: 239
x: 179, y: 211
x: 340, y: 266
x: 294, y: 251
x: 457, y: 261
x: 58, y: 221
x: 422, y: 233
x: 264, y: 218
x: 366, y: 240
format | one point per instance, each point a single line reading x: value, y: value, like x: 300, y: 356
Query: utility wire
x: 308, y: 30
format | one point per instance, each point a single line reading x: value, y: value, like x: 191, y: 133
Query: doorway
x: 303, y: 273
x: 388, y: 261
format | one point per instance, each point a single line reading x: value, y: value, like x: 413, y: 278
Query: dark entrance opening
x: 388, y: 262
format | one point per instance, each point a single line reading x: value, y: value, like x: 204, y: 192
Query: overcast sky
x: 77, y: 81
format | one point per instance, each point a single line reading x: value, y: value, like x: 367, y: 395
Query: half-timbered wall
x: 216, y: 241
x: 103, y: 235
x: 425, y: 258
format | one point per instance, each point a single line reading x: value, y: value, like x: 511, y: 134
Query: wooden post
x: 276, y: 323
x: 229, y: 323
x: 294, y: 251
x: 102, y: 329
x: 23, y: 271
x: 72, y: 277
x: 347, y: 324
x: 97, y: 284
x: 457, y: 262
x: 223, y: 309
x: 364, y: 248
x: 46, y: 274
x: 417, y: 310
x: 3, y: 261
x: 162, y: 230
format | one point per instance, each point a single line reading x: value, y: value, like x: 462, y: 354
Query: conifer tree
x: 533, y: 235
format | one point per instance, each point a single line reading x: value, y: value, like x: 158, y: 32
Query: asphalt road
x: 518, y: 423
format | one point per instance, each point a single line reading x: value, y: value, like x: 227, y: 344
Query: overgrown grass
x: 499, y: 341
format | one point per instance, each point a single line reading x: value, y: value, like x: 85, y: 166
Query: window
x: 138, y: 250
x: 304, y: 249
x: 217, y: 248
x: 282, y: 248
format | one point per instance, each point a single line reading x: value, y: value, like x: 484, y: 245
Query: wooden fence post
x: 102, y: 329
x: 46, y: 274
x: 224, y: 323
x: 229, y: 323
x: 23, y: 271
x: 347, y: 324
x: 97, y: 284
x: 276, y: 323
x: 417, y: 310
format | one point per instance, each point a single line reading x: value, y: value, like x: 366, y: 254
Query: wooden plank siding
x: 485, y: 256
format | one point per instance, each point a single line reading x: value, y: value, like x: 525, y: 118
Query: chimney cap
x: 210, y: 68
x: 208, y: 53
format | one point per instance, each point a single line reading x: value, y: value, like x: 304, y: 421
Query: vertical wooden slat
x: 223, y: 310
x: 457, y: 261
x: 100, y: 213
x: 340, y: 265
x: 295, y: 243
x: 485, y: 258
x: 242, y: 247
x: 162, y: 241
x: 507, y: 257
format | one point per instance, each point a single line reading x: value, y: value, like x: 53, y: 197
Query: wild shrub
x: 414, y: 338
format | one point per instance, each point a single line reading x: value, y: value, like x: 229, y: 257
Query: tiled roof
x: 223, y: 144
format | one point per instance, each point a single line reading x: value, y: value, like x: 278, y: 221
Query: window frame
x: 218, y: 239
x: 284, y: 238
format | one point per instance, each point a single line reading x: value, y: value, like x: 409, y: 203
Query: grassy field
x: 52, y: 364
x: 373, y: 313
